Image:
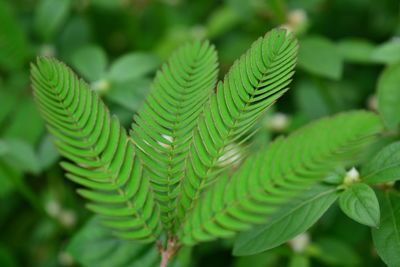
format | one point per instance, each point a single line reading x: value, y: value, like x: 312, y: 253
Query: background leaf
x: 49, y: 17
x: 356, y: 50
x: 389, y: 95
x: 90, y: 61
x: 320, y: 56
x: 132, y: 66
x: 387, y: 53
x: 94, y: 245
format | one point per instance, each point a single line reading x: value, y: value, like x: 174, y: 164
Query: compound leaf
x: 253, y: 84
x: 105, y: 159
x: 277, y: 173
x: 163, y: 127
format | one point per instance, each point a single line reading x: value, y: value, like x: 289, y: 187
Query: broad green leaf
x: 76, y: 33
x: 322, y: 57
x: 284, y: 225
x: 222, y: 20
x: 308, y: 92
x: 359, y: 202
x: 389, y: 95
x: 47, y: 152
x: 20, y: 155
x: 90, y: 61
x: 387, y: 236
x: 132, y: 66
x: 49, y: 17
x: 387, y: 53
x: 95, y: 245
x: 384, y: 167
x: 26, y: 123
x: 356, y: 50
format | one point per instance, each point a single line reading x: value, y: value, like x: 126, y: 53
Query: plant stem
x: 164, y: 258
x: 166, y: 253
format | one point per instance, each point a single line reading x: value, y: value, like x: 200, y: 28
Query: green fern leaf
x: 253, y: 84
x: 276, y: 174
x: 105, y: 159
x: 164, y: 125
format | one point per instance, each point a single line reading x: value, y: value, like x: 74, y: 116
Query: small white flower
x: 65, y: 259
x: 295, y: 19
x: 300, y: 242
x: 278, y: 122
x: 101, y: 85
x: 372, y: 103
x: 47, y: 50
x: 198, y: 32
x: 352, y: 176
x: 53, y: 208
x: 169, y: 140
x: 231, y: 155
x: 67, y: 218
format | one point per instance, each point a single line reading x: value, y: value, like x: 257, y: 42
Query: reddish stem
x: 168, y: 252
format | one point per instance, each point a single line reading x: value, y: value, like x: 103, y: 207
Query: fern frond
x: 253, y: 84
x: 163, y: 127
x: 276, y: 174
x: 105, y: 159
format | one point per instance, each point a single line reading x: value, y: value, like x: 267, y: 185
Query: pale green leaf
x: 50, y: 16
x: 95, y: 245
x: 322, y: 57
x: 356, y: 50
x: 387, y: 53
x: 389, y: 95
x: 90, y: 61
x: 20, y: 155
x: 132, y: 66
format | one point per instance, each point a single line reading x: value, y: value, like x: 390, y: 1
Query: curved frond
x: 163, y: 127
x: 253, y: 84
x: 277, y: 173
x: 105, y: 159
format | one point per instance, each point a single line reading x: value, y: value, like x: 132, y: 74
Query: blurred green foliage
x: 349, y: 59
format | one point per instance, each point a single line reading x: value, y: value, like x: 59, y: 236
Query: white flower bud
x: 67, y: 218
x: 372, y: 103
x: 169, y: 139
x: 231, y: 155
x: 352, y: 176
x: 278, y: 122
x: 65, y: 259
x: 53, y: 208
x: 101, y: 85
x: 47, y: 50
x: 300, y: 242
